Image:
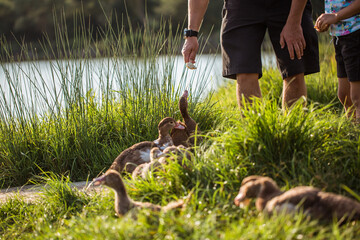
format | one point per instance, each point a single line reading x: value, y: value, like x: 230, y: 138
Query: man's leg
x: 293, y: 71
x: 247, y: 86
x: 355, y: 98
x: 293, y: 89
x: 344, y: 94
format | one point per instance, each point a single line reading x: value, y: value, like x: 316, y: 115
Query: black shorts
x: 347, y: 55
x: 243, y: 29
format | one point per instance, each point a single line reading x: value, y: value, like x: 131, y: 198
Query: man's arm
x: 326, y: 19
x: 292, y: 34
x: 196, y: 12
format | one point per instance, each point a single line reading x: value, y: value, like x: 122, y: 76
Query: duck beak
x: 99, y: 181
x: 241, y: 200
x: 179, y: 126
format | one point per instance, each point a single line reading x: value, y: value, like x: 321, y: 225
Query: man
x: 244, y: 24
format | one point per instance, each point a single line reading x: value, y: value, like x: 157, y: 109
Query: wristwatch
x: 190, y: 33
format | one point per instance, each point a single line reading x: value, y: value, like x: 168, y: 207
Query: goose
x: 123, y: 203
x: 140, y: 152
x: 316, y: 203
x: 184, y: 136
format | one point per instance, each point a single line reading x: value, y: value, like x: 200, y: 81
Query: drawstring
x: 336, y: 41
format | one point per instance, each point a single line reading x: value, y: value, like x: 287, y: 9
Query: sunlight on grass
x: 72, y: 127
x: 76, y: 113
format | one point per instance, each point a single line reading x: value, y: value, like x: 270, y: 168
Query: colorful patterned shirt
x: 345, y: 26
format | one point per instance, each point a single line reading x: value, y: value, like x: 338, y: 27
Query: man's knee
x: 248, y: 85
x: 298, y: 78
x: 246, y: 77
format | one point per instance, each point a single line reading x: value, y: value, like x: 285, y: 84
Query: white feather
x: 145, y: 155
x: 285, y: 207
x: 166, y: 145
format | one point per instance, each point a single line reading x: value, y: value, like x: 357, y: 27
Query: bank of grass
x: 313, y: 146
x: 79, y: 131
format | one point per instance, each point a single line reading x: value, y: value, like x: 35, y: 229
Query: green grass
x: 79, y: 131
x: 76, y: 114
x: 315, y: 146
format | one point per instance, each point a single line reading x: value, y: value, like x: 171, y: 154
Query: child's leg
x: 344, y: 95
x: 355, y: 97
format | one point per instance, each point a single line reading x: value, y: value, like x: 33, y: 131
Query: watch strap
x: 190, y: 33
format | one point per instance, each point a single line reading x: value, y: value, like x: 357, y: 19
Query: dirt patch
x: 30, y: 193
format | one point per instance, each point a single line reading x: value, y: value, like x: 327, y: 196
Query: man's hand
x: 323, y: 22
x: 292, y: 36
x: 190, y: 49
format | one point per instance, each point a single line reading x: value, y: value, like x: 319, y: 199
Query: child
x: 343, y: 18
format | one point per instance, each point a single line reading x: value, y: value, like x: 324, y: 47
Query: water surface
x: 40, y: 85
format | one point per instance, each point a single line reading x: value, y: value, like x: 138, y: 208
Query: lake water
x: 40, y: 85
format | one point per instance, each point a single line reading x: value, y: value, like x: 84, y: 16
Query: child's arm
x: 326, y: 19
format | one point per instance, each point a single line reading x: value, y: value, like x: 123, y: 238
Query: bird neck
x: 163, y: 134
x: 123, y: 202
x: 183, y: 110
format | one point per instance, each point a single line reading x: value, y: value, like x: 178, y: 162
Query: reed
x: 94, y: 95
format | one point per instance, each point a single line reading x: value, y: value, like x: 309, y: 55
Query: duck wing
x: 318, y: 204
x: 337, y: 205
x: 155, y: 207
x: 147, y: 205
x: 133, y: 156
x: 289, y: 200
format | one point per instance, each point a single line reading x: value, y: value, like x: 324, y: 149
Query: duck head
x: 185, y: 94
x: 111, y: 179
x: 255, y: 187
x: 169, y: 123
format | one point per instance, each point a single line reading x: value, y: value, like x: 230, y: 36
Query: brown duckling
x: 184, y: 136
x: 175, y: 153
x: 123, y: 203
x: 165, y: 126
x: 316, y: 203
x: 140, y: 153
x: 180, y: 136
x: 159, y: 158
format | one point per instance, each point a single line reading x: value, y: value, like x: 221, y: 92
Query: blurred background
x: 28, y: 21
